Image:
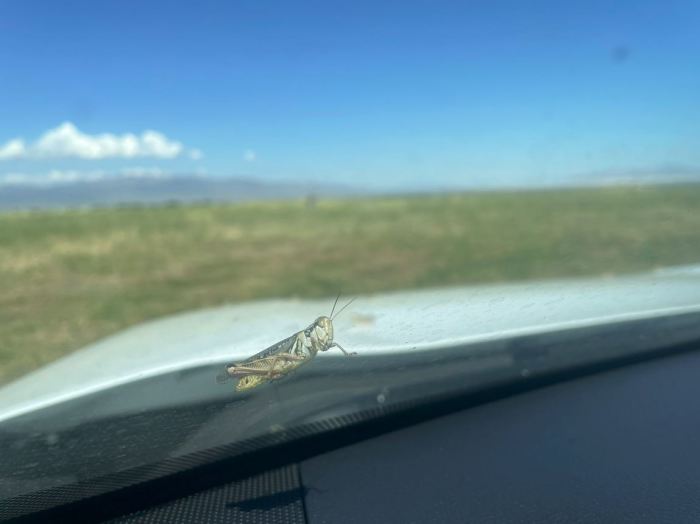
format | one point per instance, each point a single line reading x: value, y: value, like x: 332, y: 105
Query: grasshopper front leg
x: 336, y: 345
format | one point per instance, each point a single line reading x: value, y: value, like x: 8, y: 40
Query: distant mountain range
x: 123, y: 190
x: 669, y: 174
x: 155, y: 188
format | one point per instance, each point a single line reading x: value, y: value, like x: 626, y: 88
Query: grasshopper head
x: 326, y: 325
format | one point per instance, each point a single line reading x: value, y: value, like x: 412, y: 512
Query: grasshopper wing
x: 269, y: 364
x: 283, y: 346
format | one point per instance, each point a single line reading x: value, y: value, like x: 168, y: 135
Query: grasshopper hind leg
x: 225, y: 375
x: 282, y: 358
x: 257, y: 372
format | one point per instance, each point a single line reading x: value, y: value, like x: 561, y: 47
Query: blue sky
x: 401, y: 94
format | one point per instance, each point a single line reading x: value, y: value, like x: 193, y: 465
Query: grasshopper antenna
x: 334, y: 304
x: 342, y: 308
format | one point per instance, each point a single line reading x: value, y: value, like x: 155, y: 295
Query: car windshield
x: 220, y: 221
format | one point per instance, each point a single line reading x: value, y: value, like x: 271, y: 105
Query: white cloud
x: 249, y: 155
x: 13, y: 149
x: 53, y: 177
x: 143, y: 172
x: 57, y: 176
x: 67, y: 140
x: 9, y: 179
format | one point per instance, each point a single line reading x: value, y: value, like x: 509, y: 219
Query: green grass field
x: 70, y: 278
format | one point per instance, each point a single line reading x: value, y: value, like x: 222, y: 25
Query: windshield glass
x: 230, y: 219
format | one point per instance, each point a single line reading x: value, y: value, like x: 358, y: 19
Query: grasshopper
x: 287, y: 355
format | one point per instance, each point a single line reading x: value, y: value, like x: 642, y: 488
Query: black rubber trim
x: 272, y: 497
x: 303, y: 498
x: 313, y: 439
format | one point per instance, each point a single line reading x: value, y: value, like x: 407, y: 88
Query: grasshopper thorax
x: 322, y: 331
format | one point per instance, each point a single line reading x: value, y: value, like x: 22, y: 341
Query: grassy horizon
x: 68, y: 278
